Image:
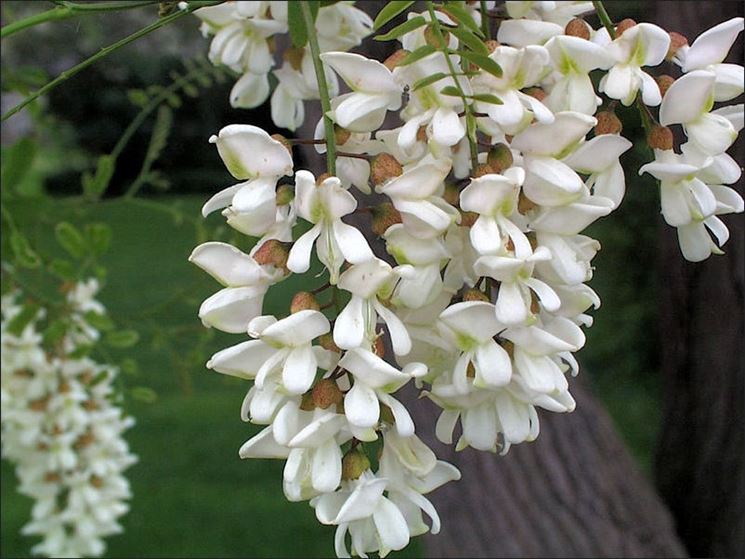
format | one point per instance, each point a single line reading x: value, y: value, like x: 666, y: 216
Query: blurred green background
x: 193, y: 496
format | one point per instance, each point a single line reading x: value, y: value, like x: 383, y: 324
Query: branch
x: 106, y: 51
x: 323, y: 89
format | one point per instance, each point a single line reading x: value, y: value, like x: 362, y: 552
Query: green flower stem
x: 604, y: 18
x: 484, y: 19
x: 323, y: 89
x: 67, y: 10
x: 194, y: 5
x: 470, y: 120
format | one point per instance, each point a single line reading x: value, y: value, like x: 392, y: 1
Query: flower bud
x: 492, y: 45
x: 285, y: 194
x: 326, y: 341
x: 509, y: 347
x: 392, y: 61
x: 525, y: 204
x: 306, y: 401
x: 274, y: 253
x: 39, y: 405
x: 623, y: 25
x: 467, y: 219
x: 322, y: 177
x: 378, y: 347
x: 475, y: 295
x: 341, y: 135
x: 676, y: 42
x: 294, y: 56
x: 384, y: 167
x: 482, y: 169
x: 536, y: 93
x: 431, y: 38
x: 471, y: 370
x: 660, y: 137
x: 284, y: 141
x: 577, y: 28
x: 421, y: 134
x: 383, y: 216
x: 500, y: 158
x: 664, y: 82
x: 452, y: 194
x: 326, y: 393
x: 96, y: 481
x: 302, y: 300
x: 386, y: 415
x: 354, y: 464
x: 608, y: 123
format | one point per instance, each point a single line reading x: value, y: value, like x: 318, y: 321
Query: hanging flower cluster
x: 62, y: 430
x: 244, y: 42
x: 474, y: 260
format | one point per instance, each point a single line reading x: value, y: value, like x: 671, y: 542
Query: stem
x: 105, y: 52
x: 604, y: 18
x: 323, y: 89
x: 484, y: 19
x: 68, y: 10
x: 470, y: 122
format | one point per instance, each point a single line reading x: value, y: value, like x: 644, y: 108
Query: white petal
x: 296, y: 330
x: 299, y: 370
x: 227, y: 264
x: 326, y: 467
x: 695, y: 243
x: 232, y: 308
x: 349, y: 328
x: 480, y: 427
x: 263, y: 445
x: 298, y: 260
x: 250, y: 91
x: 248, y: 151
x: 493, y: 366
x: 391, y: 526
x: 400, y: 338
x: 447, y: 128
x: 511, y: 307
x: 362, y: 502
x: 242, y: 360
x: 222, y: 199
x: 352, y: 243
x: 687, y: 98
x: 713, y: 45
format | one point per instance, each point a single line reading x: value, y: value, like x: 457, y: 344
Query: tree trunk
x: 700, y: 462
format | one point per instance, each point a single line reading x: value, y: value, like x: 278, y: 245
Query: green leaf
x: 17, y: 161
x: 81, y: 351
x: 405, y: 27
x: 144, y: 394
x: 391, y: 10
x: 122, y: 338
x: 100, y: 377
x: 482, y: 61
x: 70, y: 239
x: 22, y: 319
x: 418, y: 54
x: 429, y: 80
x: 129, y: 366
x: 486, y: 98
x: 99, y: 237
x: 25, y: 255
x: 54, y: 332
x: 99, y: 321
x: 97, y: 184
x: 296, y: 21
x: 137, y: 97
x: 63, y: 269
x: 159, y: 137
x: 461, y: 15
x: 450, y: 90
x: 469, y: 39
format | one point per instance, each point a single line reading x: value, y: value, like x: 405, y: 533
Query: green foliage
x: 296, y: 22
x: 17, y: 161
x: 391, y: 10
x: 96, y: 184
x: 417, y: 54
x: 70, y: 239
x: 406, y: 27
x: 429, y: 80
x: 482, y: 61
x: 24, y: 255
x: 458, y: 12
x: 122, y: 339
x: 468, y: 38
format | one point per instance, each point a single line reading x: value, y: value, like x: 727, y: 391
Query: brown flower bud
x: 284, y: 141
x: 322, y: 177
x: 475, y: 295
x: 608, y: 123
x: 500, y: 158
x: 39, y: 405
x: 452, y: 194
x: 467, y: 219
x: 326, y: 393
x: 492, y: 45
x: 482, y: 169
x: 383, y: 216
x: 536, y: 93
x: 384, y: 167
x: 392, y: 61
x: 306, y: 401
x: 660, y: 137
x: 51, y: 477
x: 96, y: 481
x: 431, y: 38
x: 302, y: 300
x: 341, y: 135
x: 509, y: 347
x: 623, y: 25
x: 676, y: 42
x: 326, y: 341
x: 354, y: 464
x: 294, y: 56
x: 470, y: 370
x: 378, y: 347
x: 285, y: 194
x: 664, y: 82
x: 274, y: 253
x: 524, y: 204
x: 421, y: 134
x: 578, y: 28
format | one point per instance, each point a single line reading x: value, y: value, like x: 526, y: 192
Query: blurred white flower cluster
x: 62, y: 430
x: 244, y: 42
x: 473, y: 259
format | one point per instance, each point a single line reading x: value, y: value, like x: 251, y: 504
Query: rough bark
x: 700, y: 461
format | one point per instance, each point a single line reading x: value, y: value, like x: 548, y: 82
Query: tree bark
x: 700, y: 461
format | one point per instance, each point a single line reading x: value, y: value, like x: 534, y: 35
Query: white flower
x: 643, y: 44
x: 708, y: 52
x: 689, y: 101
x: 324, y: 206
x: 374, y: 91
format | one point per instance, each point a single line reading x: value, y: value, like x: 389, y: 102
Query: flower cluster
x: 244, y: 42
x: 62, y: 430
x: 475, y: 264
